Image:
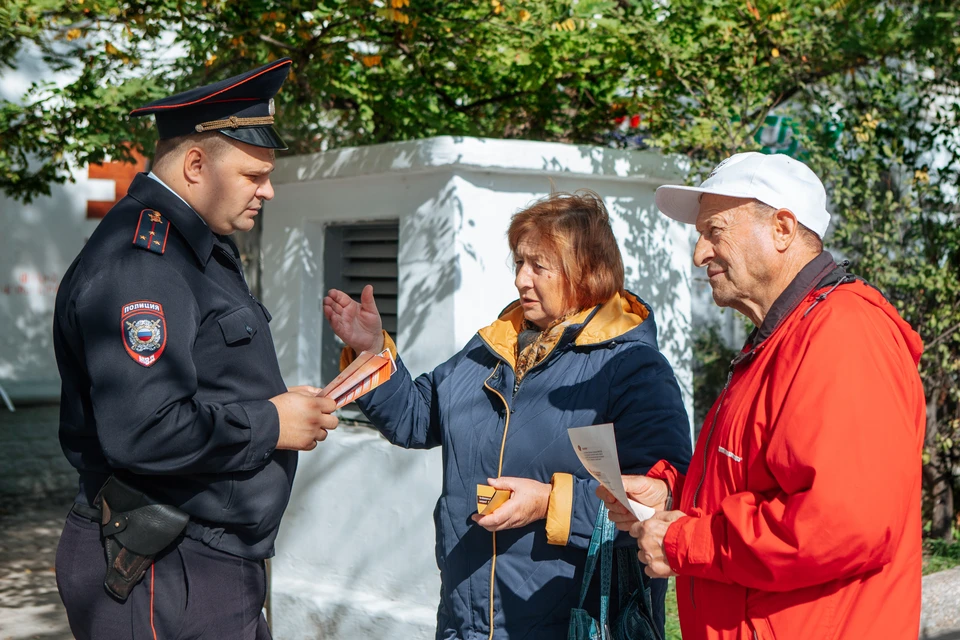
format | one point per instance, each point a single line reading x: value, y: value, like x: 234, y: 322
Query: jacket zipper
x: 706, y: 449
x: 503, y: 442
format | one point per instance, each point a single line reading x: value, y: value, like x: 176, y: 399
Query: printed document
x: 596, y: 446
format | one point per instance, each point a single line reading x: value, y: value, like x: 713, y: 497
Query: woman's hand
x: 358, y: 325
x: 527, y: 504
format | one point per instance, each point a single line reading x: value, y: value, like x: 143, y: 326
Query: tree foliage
x: 364, y: 72
x: 865, y: 92
x: 871, y: 95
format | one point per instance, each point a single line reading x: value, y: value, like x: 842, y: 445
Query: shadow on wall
x: 284, y: 309
x: 647, y: 242
x: 434, y: 239
x: 654, y: 279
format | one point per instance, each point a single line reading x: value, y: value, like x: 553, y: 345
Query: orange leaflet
x: 367, y: 372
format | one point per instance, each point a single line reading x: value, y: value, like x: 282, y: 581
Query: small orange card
x: 490, y: 499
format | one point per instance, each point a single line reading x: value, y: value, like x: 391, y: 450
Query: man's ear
x: 193, y: 162
x: 785, y: 228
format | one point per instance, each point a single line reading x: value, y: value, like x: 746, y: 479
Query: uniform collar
x: 156, y: 195
x: 154, y: 176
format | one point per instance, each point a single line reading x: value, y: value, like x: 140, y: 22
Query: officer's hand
x: 357, y: 324
x: 305, y: 390
x: 304, y: 420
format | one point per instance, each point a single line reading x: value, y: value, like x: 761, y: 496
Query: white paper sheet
x: 596, y: 446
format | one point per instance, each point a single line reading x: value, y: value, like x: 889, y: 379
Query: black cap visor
x: 259, y: 136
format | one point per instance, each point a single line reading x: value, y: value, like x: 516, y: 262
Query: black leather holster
x: 135, y: 529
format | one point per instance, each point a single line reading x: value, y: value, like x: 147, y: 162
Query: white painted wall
x: 37, y: 245
x: 38, y: 241
x: 355, y: 552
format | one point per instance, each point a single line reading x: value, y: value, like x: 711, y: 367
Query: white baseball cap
x: 776, y: 180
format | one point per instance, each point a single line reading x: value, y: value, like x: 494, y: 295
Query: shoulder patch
x: 152, y: 231
x: 144, y: 331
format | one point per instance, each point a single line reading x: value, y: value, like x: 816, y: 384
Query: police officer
x: 171, y: 387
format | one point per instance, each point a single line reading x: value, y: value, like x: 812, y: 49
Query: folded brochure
x: 596, y: 446
x: 367, y: 372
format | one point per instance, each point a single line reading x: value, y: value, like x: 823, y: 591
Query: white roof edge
x: 488, y: 155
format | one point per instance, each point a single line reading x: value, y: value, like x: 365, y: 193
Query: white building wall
x: 355, y: 552
x: 38, y: 242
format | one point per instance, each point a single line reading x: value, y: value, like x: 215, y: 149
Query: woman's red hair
x: 575, y: 228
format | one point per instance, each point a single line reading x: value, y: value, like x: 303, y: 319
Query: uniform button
x: 266, y: 455
x: 249, y: 329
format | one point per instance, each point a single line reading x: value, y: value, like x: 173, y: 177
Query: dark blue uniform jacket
x: 167, y: 365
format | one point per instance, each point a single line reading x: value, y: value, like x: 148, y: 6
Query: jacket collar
x: 615, y: 317
x: 812, y: 276
x: 155, y: 195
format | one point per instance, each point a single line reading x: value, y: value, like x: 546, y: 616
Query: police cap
x: 240, y: 107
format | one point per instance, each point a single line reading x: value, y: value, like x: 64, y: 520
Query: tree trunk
x: 937, y: 476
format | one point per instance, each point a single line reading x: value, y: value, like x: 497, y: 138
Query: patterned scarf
x: 533, y: 345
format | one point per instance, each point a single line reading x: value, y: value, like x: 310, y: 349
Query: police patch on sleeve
x: 144, y: 331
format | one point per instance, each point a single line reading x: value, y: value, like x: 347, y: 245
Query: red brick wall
x: 122, y: 173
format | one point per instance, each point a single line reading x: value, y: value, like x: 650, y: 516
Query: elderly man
x: 799, y: 516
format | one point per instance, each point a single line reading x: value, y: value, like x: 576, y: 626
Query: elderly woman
x: 576, y: 349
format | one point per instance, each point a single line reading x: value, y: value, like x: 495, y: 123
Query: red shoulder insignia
x: 144, y: 331
x: 152, y: 231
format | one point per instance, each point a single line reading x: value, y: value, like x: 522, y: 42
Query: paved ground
x: 941, y: 605
x: 30, y: 608
x: 29, y: 605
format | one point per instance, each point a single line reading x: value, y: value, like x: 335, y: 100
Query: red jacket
x: 803, y: 494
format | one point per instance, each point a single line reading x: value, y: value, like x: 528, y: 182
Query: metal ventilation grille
x: 369, y: 256
x: 356, y: 255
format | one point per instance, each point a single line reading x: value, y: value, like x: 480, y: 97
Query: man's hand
x: 305, y: 390
x: 527, y: 504
x: 304, y: 418
x: 648, y: 491
x: 357, y: 324
x: 650, y: 534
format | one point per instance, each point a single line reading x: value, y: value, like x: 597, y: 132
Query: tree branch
x: 943, y: 336
x: 277, y: 43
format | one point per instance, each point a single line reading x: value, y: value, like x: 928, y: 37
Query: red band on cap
x: 207, y: 98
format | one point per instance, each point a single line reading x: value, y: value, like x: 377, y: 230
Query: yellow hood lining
x: 615, y: 317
